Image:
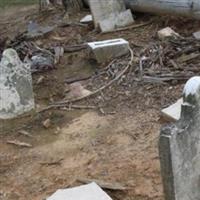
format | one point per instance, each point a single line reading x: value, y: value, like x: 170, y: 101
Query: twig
x: 64, y: 103
x: 129, y: 27
x: 18, y: 143
x: 103, y: 184
x: 105, y: 86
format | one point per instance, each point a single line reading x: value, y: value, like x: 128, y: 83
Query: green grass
x: 5, y: 3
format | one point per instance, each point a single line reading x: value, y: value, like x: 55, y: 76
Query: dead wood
x: 103, y: 184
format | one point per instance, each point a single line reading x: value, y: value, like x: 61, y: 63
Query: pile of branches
x: 174, y: 59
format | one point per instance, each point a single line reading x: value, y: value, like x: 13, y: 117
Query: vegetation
x: 4, y: 3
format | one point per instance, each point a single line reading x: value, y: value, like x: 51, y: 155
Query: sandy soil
x: 118, y: 146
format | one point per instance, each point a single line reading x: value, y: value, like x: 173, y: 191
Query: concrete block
x: 173, y: 112
x: 16, y: 93
x: 86, y: 192
x: 104, y: 51
x: 167, y: 33
x: 122, y: 19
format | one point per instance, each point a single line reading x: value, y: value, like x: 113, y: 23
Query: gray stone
x: 115, y: 21
x: 110, y: 14
x: 104, y: 51
x: 179, y: 148
x: 173, y: 112
x: 16, y: 94
x: 86, y: 192
x: 197, y: 35
x: 167, y: 33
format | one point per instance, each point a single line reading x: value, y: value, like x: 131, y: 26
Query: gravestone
x: 16, y: 94
x: 179, y: 148
x: 110, y: 14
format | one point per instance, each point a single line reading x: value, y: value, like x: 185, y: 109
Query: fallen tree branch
x: 103, y: 184
x: 129, y: 27
x: 64, y: 103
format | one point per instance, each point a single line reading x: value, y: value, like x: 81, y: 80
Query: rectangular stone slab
x: 173, y: 112
x: 108, y: 49
x: 86, y: 192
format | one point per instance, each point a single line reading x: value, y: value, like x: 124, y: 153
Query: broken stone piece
x: 46, y: 123
x: 77, y: 91
x: 16, y: 92
x: 167, y: 33
x: 104, y: 51
x: 173, y: 112
x: 197, y: 35
x: 86, y: 192
x: 87, y: 19
x: 110, y: 15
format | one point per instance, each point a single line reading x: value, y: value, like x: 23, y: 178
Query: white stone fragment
x: 192, y: 86
x: 166, y: 33
x: 87, y: 19
x: 108, y: 49
x: 197, y: 35
x: 86, y: 192
x: 173, y: 112
x: 16, y: 94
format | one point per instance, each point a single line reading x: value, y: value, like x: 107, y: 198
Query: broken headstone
x: 180, y: 149
x: 104, y: 51
x: 86, y: 192
x: 16, y: 93
x: 110, y: 15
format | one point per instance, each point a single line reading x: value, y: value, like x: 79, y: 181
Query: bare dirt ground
x: 117, y: 146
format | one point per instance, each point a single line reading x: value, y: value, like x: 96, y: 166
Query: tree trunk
x: 188, y: 8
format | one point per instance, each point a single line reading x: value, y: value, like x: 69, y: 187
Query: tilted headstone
x: 110, y: 14
x: 179, y: 148
x: 16, y: 93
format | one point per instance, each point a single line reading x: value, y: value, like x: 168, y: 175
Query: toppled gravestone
x: 179, y: 148
x: 111, y: 14
x: 86, y: 192
x: 16, y: 94
x: 106, y: 50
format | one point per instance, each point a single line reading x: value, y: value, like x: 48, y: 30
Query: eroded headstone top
x: 16, y: 93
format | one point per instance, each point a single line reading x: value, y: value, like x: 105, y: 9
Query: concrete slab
x: 106, y: 50
x: 86, y: 192
x: 173, y: 112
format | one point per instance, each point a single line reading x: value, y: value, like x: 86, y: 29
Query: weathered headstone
x: 109, y: 14
x: 179, y: 148
x: 16, y: 94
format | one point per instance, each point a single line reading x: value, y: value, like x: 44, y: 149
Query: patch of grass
x: 5, y: 3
